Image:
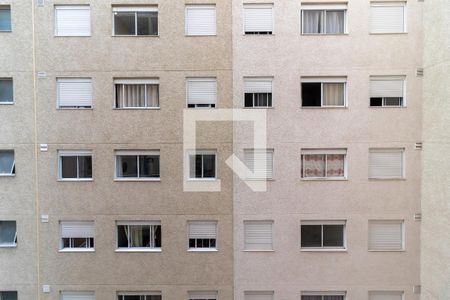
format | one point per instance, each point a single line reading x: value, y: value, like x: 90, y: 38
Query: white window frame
x: 387, y: 292
x: 136, y: 153
x: 12, y: 173
x: 250, y: 79
x: 135, y: 10
x: 390, y: 78
x: 74, y: 79
x: 324, y: 9
x: 12, y: 84
x: 322, y: 81
x: 203, y: 295
x: 73, y: 7
x: 390, y: 4
x: 142, y: 295
x: 14, y: 244
x: 136, y: 81
x: 72, y: 249
x: 74, y: 153
x: 396, y: 221
x: 201, y: 79
x: 322, y: 248
x: 195, y: 249
x: 8, y: 7
x: 137, y: 249
x: 262, y: 6
x: 200, y: 6
x: 325, y: 151
x: 76, y: 293
x: 402, y: 150
x: 324, y: 294
x: 201, y: 152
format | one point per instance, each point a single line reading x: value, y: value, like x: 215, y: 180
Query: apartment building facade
x: 93, y: 200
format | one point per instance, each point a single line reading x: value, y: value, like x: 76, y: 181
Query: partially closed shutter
x: 258, y: 18
x: 386, y: 163
x: 257, y: 85
x: 74, y: 92
x: 260, y: 163
x: 386, y: 87
x: 202, y: 230
x: 387, y: 17
x: 386, y: 235
x: 200, y: 20
x: 258, y: 295
x: 258, y: 235
x: 77, y: 296
x: 201, y: 91
x: 77, y: 229
x: 388, y: 295
x: 203, y: 295
x: 72, y: 20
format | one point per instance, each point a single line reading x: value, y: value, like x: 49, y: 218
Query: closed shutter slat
x: 385, y: 235
x: 77, y: 229
x: 201, y: 92
x: 258, y: 19
x: 260, y: 163
x: 258, y: 296
x: 387, y: 19
x: 77, y: 296
x: 258, y: 235
x: 386, y: 88
x: 74, y: 93
x: 200, y: 20
x: 386, y: 164
x: 202, y: 230
x: 73, y: 20
x: 257, y: 86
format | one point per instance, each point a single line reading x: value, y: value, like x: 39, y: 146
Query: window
x: 212, y: 295
x: 258, y: 19
x: 323, y: 296
x: 202, y: 164
x: 8, y: 234
x: 6, y: 90
x: 74, y: 92
x: 387, y: 17
x: 7, y: 163
x: 202, y: 235
x: 77, y: 235
x: 259, y: 163
x: 387, y: 91
x: 324, y: 19
x: 324, y: 92
x: 75, y: 165
x: 200, y: 20
x: 386, y: 163
x: 142, y: 165
x: 72, y: 20
x: 139, y: 296
x: 258, y: 235
x: 5, y: 18
x: 258, y: 92
x: 386, y: 235
x: 136, y: 93
x: 135, y: 20
x: 324, y: 163
x: 77, y: 295
x: 201, y: 92
x: 263, y: 295
x: 386, y: 295
x: 140, y: 235
x: 323, y: 235
x: 8, y: 295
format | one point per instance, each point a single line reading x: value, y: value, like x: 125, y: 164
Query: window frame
x: 323, y: 223
x: 136, y: 153
x: 201, y: 79
x: 153, y: 223
x: 403, y: 162
x: 12, y: 87
x: 75, y: 249
x: 258, y: 6
x: 77, y: 154
x: 7, y: 7
x: 136, y: 81
x: 324, y: 9
x: 135, y: 10
x: 324, y: 151
x: 73, y: 7
x: 322, y: 81
x: 389, y: 78
x: 2, y: 293
x: 13, y: 168
x: 392, y: 221
x: 74, y: 79
x: 199, y: 6
x: 393, y: 3
x: 258, y: 79
x: 201, y: 152
x: 264, y: 222
x: 268, y: 151
x: 203, y: 249
x: 15, y: 243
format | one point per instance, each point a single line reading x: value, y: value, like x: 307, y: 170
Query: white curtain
x: 134, y: 95
x: 333, y: 94
x: 311, y: 21
x: 335, y: 22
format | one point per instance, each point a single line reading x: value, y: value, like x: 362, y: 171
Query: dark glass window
x: 320, y: 236
x: 138, y: 166
x: 6, y: 90
x: 136, y: 23
x: 5, y: 18
x: 202, y: 166
x: 311, y: 236
x: 311, y: 93
x: 76, y: 167
x: 258, y: 100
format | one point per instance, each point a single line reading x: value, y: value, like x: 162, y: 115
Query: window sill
x: 401, y: 250
x: 259, y: 179
x: 6, y: 103
x: 200, y: 35
x: 8, y: 246
x: 324, y: 179
x: 75, y: 180
x: 324, y: 107
x: 136, y: 108
x: 137, y: 250
x: 259, y: 107
x: 249, y: 34
x: 202, y: 250
x: 384, y: 107
x: 75, y: 108
x: 202, y: 179
x: 325, y: 34
x: 74, y: 250
x: 72, y: 36
x: 137, y: 179
x: 269, y: 251
x: 7, y: 175
x: 387, y: 179
x: 387, y: 33
x: 5, y: 31
x: 322, y: 250
x: 141, y: 35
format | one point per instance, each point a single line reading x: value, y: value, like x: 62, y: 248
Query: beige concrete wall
x: 435, y: 259
x: 287, y: 56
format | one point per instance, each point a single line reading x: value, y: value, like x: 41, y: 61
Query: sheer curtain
x: 152, y: 95
x: 311, y: 21
x: 136, y: 236
x: 314, y: 165
x: 335, y: 22
x: 335, y: 165
x: 333, y: 94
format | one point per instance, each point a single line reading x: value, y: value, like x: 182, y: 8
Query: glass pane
x: 313, y: 165
x: 191, y: 243
x: 335, y: 165
x: 376, y: 101
x: 79, y: 242
x: 5, y: 19
x: 6, y: 162
x: 127, y: 166
x: 85, y: 166
x: 6, y: 90
x: 91, y: 241
x: 154, y: 297
x: 66, y: 242
x: 147, y: 23
x: 158, y: 236
x: 122, y: 236
x: 68, y: 167
x: 333, y: 297
x: 209, y: 166
x: 248, y: 100
x: 311, y: 235
x: 393, y: 101
x: 311, y: 297
x: 134, y: 95
x: 152, y: 95
x: 333, y: 235
x: 124, y: 23
x: 312, y: 20
x: 140, y: 235
x: 198, y: 166
x: 335, y: 22
x: 261, y: 99
x: 132, y: 297
x: 8, y: 295
x: 311, y: 93
x: 333, y: 94
x: 149, y: 166
x: 7, y: 232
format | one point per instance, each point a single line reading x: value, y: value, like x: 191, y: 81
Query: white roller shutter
x: 201, y: 91
x: 200, y: 20
x: 387, y: 17
x: 74, y: 92
x: 258, y: 18
x: 386, y: 87
x: 386, y: 163
x: 258, y: 85
x: 258, y: 295
x: 202, y: 230
x: 386, y: 235
x: 258, y: 235
x: 394, y: 295
x: 77, y: 229
x: 259, y: 162
x: 72, y: 20
x: 203, y: 295
x: 77, y: 296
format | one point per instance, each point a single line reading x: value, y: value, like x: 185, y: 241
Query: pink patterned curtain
x: 335, y: 167
x: 313, y: 165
